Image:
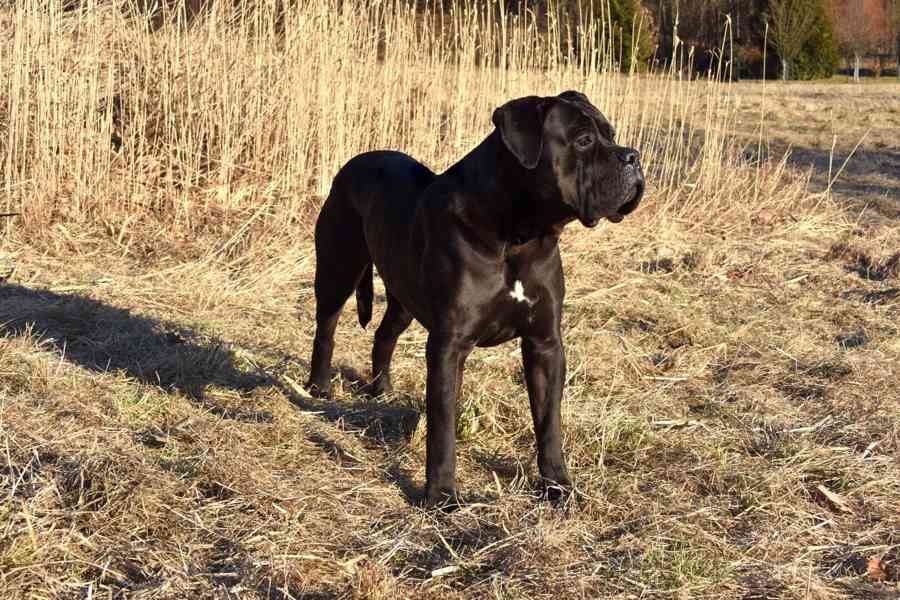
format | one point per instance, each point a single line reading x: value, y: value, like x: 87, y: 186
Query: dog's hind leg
x: 395, y: 321
x: 341, y: 260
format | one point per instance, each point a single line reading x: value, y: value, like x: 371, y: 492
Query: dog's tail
x: 364, y: 296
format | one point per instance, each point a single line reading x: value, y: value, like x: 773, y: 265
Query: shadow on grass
x: 387, y: 424
x: 105, y: 338
x: 869, y: 176
x: 383, y: 420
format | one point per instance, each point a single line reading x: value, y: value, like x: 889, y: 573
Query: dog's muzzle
x: 633, y: 186
x: 622, y: 201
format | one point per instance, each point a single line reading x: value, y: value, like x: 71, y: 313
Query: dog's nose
x: 629, y: 156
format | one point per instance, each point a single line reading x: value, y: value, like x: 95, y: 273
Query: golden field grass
x: 823, y: 124
x: 731, y: 411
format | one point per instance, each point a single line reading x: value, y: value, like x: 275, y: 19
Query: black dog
x: 472, y: 254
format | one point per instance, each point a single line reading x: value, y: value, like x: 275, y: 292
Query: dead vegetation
x: 731, y: 414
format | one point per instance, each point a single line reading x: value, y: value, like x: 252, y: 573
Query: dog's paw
x: 443, y: 500
x: 317, y: 390
x: 560, y: 494
x: 375, y: 389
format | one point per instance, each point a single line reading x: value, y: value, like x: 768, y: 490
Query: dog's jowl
x: 473, y: 255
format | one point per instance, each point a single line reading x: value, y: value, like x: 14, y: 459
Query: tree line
x: 792, y: 39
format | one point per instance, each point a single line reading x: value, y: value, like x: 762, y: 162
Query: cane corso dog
x: 473, y: 255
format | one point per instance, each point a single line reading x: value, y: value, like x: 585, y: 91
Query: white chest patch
x: 518, y: 294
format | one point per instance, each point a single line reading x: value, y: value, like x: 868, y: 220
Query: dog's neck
x: 518, y: 207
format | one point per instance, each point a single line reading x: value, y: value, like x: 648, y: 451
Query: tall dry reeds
x: 114, y: 113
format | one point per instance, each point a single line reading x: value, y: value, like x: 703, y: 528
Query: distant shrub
x: 623, y: 20
x: 819, y: 57
x: 627, y: 16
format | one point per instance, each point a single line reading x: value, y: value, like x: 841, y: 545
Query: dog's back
x: 383, y: 183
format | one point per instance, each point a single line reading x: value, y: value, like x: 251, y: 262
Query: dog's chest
x: 516, y: 297
x: 518, y: 302
x: 527, y: 274
x: 519, y: 298
x: 511, y: 312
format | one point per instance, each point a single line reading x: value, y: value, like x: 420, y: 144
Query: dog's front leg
x: 545, y: 372
x: 445, y: 356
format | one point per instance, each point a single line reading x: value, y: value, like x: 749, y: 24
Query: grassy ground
x: 731, y: 414
x: 824, y: 124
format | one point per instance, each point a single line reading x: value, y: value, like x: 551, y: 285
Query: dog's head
x: 570, y: 147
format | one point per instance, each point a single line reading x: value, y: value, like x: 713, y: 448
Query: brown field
x: 731, y: 412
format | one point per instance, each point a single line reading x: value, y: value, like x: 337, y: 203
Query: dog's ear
x: 521, y: 125
x: 574, y: 96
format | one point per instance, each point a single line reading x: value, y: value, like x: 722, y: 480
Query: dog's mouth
x: 590, y: 217
x: 629, y: 206
x: 589, y: 221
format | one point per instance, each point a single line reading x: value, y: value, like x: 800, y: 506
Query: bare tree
x: 791, y: 23
x: 892, y: 8
x: 861, y: 26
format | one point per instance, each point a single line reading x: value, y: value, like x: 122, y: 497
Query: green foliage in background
x: 632, y: 32
x: 819, y: 57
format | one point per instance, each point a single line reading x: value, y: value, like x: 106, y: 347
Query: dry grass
x: 731, y: 414
x: 823, y: 125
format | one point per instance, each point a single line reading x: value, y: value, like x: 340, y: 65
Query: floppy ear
x: 573, y: 95
x: 521, y: 125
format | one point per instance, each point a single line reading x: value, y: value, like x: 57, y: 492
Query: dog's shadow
x: 105, y: 338
x: 387, y: 423
x: 381, y: 420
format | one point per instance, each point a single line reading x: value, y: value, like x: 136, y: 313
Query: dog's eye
x: 584, y: 141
